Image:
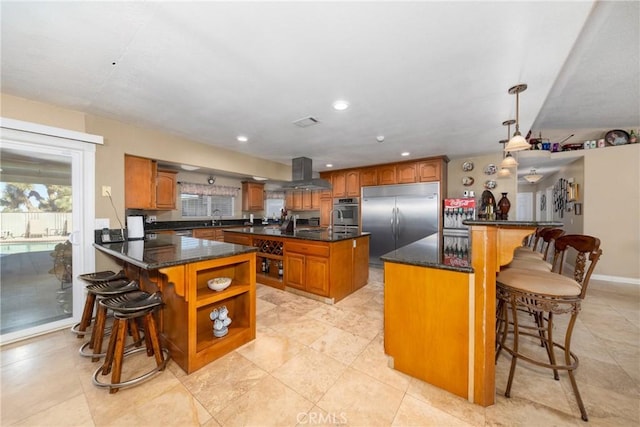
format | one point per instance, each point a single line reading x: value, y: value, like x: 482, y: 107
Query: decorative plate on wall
x: 490, y: 169
x: 467, y: 181
x: 616, y: 137
x: 467, y: 166
x: 490, y: 184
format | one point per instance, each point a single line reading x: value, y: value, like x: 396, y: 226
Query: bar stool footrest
x: 132, y: 381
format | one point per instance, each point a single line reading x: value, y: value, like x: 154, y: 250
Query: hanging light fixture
x: 508, y: 161
x: 533, y: 177
x: 517, y: 141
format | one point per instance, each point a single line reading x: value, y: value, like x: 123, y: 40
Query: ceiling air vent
x: 305, y: 122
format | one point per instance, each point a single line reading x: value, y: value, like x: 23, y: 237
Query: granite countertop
x: 317, y: 234
x: 168, y: 250
x: 427, y: 252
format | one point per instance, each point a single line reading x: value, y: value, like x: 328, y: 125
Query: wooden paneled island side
x: 180, y: 268
x: 439, y: 320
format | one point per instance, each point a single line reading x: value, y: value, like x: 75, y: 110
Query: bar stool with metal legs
x: 539, y: 296
x: 537, y: 260
x: 128, y: 309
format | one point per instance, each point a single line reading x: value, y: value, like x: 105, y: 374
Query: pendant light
x: 517, y: 142
x: 533, y: 177
x: 508, y: 161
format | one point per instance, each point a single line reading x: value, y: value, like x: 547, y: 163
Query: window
x: 198, y: 205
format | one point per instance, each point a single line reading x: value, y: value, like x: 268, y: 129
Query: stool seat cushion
x: 115, y: 287
x: 526, y: 253
x: 539, y: 282
x: 530, y: 264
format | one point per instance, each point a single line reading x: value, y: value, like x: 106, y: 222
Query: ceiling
x: 431, y: 77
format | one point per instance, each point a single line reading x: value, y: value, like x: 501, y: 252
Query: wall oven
x: 346, y: 212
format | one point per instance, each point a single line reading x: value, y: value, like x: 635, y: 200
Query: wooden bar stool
x: 87, y: 314
x: 530, y: 299
x: 128, y: 309
x: 537, y: 260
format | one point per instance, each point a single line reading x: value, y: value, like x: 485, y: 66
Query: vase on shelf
x: 503, y: 207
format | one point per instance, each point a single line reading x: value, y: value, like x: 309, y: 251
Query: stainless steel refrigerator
x: 397, y: 215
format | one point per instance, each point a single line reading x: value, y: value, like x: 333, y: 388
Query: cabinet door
x: 315, y: 200
x: 368, y: 177
x: 252, y: 196
x: 294, y: 270
x: 387, y: 175
x: 326, y: 194
x: 204, y: 233
x: 325, y: 212
x: 288, y: 201
x: 139, y: 183
x: 429, y: 170
x: 297, y: 200
x: 317, y: 275
x: 306, y: 200
x: 352, y: 185
x: 406, y: 173
x: 166, y: 190
x: 338, y: 182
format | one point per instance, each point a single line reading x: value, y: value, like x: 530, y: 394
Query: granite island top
x: 166, y: 250
x: 426, y: 252
x: 317, y: 234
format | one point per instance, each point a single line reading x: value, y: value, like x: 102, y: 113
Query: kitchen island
x: 439, y: 319
x: 180, y: 268
x: 315, y: 262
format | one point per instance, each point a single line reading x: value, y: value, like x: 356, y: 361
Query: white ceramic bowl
x: 219, y: 283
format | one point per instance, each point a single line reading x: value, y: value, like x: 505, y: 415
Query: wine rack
x: 269, y: 247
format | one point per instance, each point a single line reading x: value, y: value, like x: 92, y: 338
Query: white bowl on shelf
x: 219, y: 283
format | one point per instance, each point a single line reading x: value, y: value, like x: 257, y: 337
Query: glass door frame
x: 80, y: 147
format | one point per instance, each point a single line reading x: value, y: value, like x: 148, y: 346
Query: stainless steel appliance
x: 397, y: 215
x: 455, y: 235
x: 346, y: 212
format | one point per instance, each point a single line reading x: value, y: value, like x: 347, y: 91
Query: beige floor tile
x: 606, y: 407
x: 515, y: 411
x: 277, y: 318
x: 263, y: 306
x: 270, y: 350
x: 302, y: 305
x: 363, y: 400
x: 447, y: 402
x: 222, y: 381
x: 372, y: 361
x: 341, y: 345
x: 73, y: 412
x: 310, y: 373
x: 317, y: 417
x: 304, y: 329
x: 414, y: 412
x: 278, y: 297
x: 269, y: 403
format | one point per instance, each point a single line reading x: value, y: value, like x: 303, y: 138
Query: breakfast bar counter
x: 181, y: 268
x: 439, y: 319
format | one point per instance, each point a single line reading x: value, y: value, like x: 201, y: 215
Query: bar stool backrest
x: 548, y: 236
x: 588, y: 253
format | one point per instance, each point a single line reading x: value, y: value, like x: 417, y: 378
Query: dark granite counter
x: 167, y: 250
x: 317, y: 234
x: 428, y: 252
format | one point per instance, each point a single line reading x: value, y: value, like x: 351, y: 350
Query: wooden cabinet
x: 166, y: 190
x: 307, y: 267
x: 406, y: 173
x: 139, y: 183
x: 306, y: 200
x: 368, y: 177
x: 325, y: 212
x: 297, y: 200
x: 352, y: 183
x: 216, y: 234
x: 339, y: 184
x: 315, y: 200
x: 288, y: 201
x: 252, y: 196
x: 429, y: 170
x: 387, y: 175
x: 145, y: 187
x: 303, y: 200
x: 186, y: 325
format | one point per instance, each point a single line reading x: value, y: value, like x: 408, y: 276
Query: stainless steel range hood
x: 302, y: 177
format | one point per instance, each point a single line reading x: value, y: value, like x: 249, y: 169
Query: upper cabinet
x: 147, y: 188
x: 387, y: 175
x: 368, y: 177
x: 429, y: 170
x: 338, y: 184
x: 406, y: 173
x: 252, y: 196
x: 345, y: 183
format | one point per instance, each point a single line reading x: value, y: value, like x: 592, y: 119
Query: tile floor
x: 316, y: 364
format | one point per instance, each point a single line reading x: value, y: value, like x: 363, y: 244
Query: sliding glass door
x: 45, y: 185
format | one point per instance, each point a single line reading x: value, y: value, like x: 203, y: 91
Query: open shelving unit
x: 271, y: 252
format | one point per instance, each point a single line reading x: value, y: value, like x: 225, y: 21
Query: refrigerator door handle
x: 397, y: 222
x: 393, y: 222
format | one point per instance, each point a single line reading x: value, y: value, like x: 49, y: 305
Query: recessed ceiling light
x: 189, y: 168
x: 329, y: 165
x: 405, y: 154
x: 242, y: 138
x: 380, y: 138
x: 340, y: 105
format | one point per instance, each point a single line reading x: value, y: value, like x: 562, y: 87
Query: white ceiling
x: 432, y: 77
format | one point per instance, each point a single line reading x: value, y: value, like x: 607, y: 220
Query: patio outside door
x: 46, y: 183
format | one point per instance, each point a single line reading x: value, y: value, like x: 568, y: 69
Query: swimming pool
x: 9, y: 248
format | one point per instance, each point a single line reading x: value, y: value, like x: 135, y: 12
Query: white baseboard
x: 607, y: 278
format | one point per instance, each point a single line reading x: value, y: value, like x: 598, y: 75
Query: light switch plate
x: 102, y: 223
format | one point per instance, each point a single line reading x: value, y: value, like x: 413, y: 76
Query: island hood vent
x: 302, y: 176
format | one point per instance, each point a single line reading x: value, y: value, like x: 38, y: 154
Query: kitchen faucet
x: 331, y: 218
x: 213, y: 217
